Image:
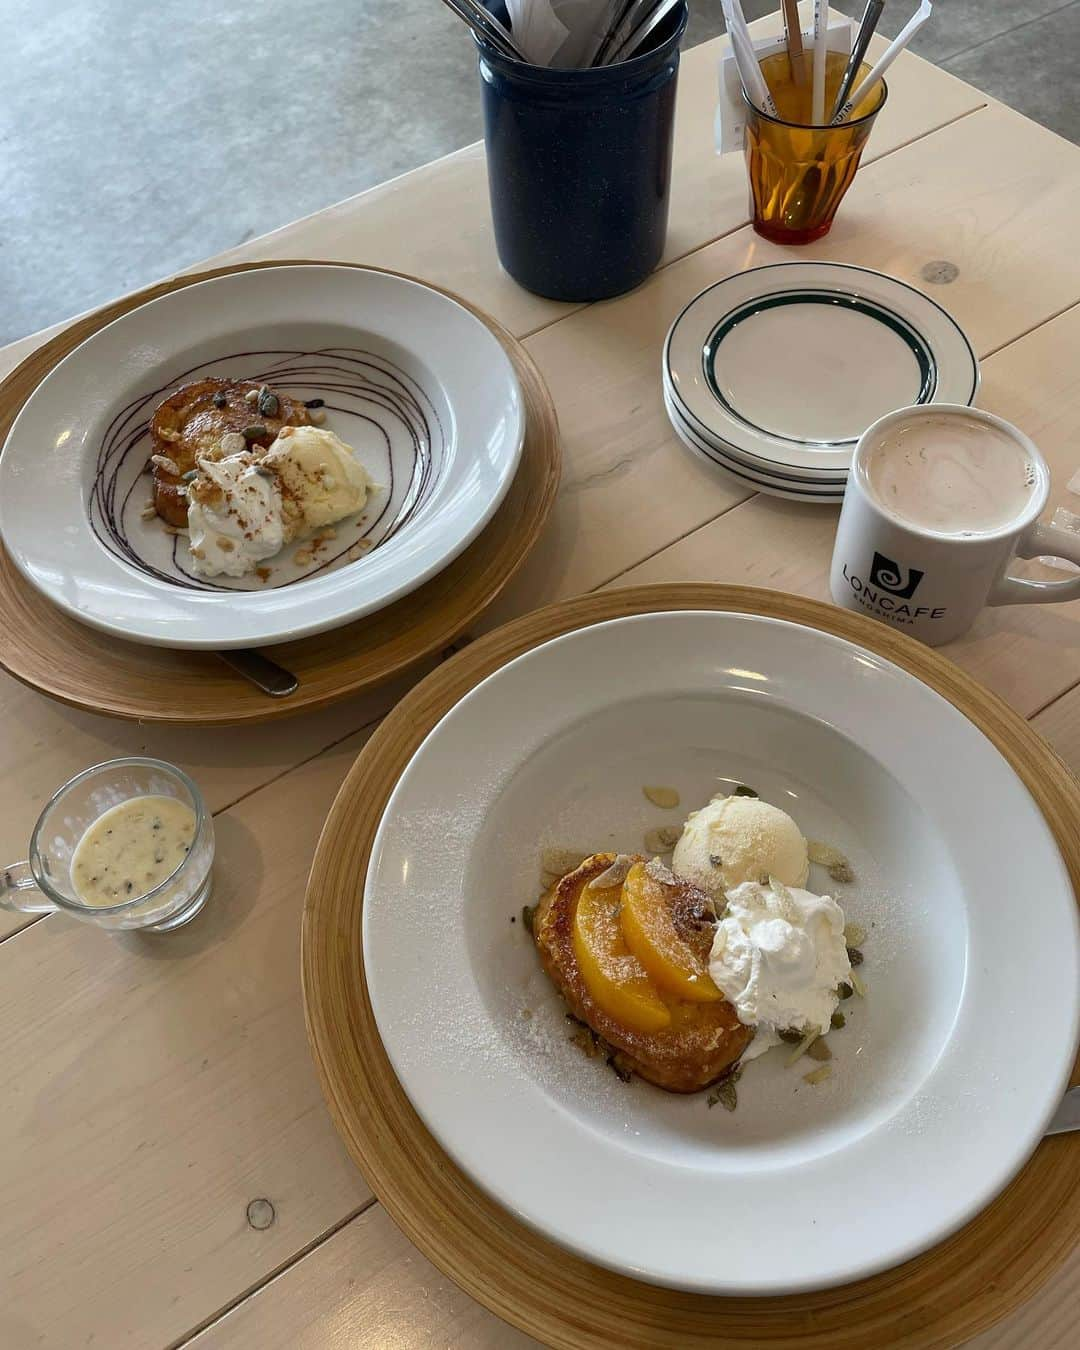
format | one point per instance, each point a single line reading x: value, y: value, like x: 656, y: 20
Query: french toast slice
x: 704, y: 1039
x: 190, y: 423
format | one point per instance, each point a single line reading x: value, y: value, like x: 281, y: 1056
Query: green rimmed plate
x: 790, y: 363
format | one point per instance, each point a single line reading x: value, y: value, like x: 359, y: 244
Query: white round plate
x: 416, y: 384
x: 793, y: 361
x: 970, y: 1019
x: 775, y: 487
x: 814, y: 478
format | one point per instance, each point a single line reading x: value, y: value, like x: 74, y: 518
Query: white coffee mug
x: 929, y: 583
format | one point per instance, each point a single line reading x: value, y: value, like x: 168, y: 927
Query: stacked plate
x: 773, y: 374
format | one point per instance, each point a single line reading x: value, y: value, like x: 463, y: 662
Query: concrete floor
x: 137, y: 139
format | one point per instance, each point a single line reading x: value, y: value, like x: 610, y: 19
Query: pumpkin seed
x: 269, y: 404
x: 837, y: 1020
x: 220, y: 401
x: 256, y: 431
x: 844, y: 990
x: 790, y: 1035
x: 855, y: 956
x: 726, y: 1094
x: 528, y: 913
x: 743, y: 791
x: 314, y: 403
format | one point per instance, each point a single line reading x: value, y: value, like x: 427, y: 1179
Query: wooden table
x: 152, y: 1090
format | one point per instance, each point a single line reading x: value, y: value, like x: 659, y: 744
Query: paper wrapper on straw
x: 535, y: 29
x: 885, y: 60
x: 743, y: 48
x: 586, y: 22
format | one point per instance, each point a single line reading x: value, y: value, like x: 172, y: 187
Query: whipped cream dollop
x: 777, y: 956
x: 244, y: 508
x: 234, y: 516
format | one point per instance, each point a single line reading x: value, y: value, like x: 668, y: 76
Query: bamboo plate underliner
x: 939, y: 1299
x: 46, y: 649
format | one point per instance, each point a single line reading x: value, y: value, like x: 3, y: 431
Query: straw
x: 753, y: 82
x: 821, y: 53
x: 869, y: 21
x: 888, y: 56
x: 793, y: 37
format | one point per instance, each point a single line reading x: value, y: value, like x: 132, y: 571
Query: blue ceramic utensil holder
x: 579, y: 166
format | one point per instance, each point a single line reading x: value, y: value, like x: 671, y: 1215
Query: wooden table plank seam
x: 1034, y: 328
x: 281, y: 1269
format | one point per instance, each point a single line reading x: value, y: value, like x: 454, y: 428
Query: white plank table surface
x: 154, y: 1088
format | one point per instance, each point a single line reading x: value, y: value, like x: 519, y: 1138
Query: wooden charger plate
x: 938, y: 1299
x: 69, y: 661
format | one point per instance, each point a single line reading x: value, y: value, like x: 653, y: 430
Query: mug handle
x: 1040, y: 540
x: 19, y: 891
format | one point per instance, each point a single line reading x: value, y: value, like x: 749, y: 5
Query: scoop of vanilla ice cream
x: 737, y: 839
x: 777, y: 956
x: 321, y: 480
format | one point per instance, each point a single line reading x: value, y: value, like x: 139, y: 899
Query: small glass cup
x: 799, y: 173
x: 44, y: 882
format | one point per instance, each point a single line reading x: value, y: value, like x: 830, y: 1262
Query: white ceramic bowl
x: 943, y: 1079
x: 419, y: 387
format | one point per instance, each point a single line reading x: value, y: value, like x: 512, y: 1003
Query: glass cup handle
x: 19, y: 891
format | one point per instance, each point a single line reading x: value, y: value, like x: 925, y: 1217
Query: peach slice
x: 614, y: 978
x: 649, y: 933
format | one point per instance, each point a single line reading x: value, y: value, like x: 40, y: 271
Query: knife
x: 1067, y: 1116
x: 265, y: 674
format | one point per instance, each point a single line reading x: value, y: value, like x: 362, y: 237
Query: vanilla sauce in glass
x: 131, y: 848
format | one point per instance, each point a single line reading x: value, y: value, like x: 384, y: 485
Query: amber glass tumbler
x: 799, y: 172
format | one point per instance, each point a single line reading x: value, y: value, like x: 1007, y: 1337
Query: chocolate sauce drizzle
x: 361, y: 384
